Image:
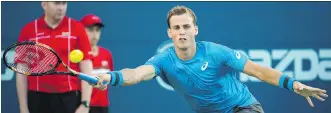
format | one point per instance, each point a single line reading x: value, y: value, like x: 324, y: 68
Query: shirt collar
x: 42, y: 22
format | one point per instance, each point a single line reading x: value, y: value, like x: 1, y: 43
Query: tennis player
x: 204, y: 73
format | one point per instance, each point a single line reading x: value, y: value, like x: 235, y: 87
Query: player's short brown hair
x: 179, y: 10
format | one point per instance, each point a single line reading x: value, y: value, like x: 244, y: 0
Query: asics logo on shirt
x: 237, y: 55
x: 204, y: 66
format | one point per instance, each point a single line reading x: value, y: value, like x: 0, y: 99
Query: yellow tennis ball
x: 76, y: 56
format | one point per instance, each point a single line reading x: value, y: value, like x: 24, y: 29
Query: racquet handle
x: 90, y: 79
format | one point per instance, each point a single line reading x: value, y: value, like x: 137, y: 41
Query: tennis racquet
x: 37, y: 59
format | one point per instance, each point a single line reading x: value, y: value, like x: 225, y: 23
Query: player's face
x: 93, y: 33
x: 55, y: 10
x: 182, y: 31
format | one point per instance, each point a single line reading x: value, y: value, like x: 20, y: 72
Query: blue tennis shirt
x: 208, y: 81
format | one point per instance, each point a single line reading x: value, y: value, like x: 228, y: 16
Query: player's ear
x: 169, y: 33
x: 196, y: 30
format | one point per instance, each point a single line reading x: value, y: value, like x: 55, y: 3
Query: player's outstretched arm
x: 134, y: 76
x: 277, y: 78
x: 126, y: 76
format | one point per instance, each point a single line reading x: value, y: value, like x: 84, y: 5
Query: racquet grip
x: 90, y: 79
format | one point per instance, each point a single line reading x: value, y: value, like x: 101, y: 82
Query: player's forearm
x: 269, y: 75
x: 86, y: 67
x: 263, y: 73
x: 128, y: 77
x: 21, y: 87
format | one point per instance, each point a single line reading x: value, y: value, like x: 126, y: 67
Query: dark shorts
x: 40, y: 102
x: 94, y: 109
x: 253, y: 108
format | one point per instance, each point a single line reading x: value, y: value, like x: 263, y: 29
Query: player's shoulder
x: 215, y: 49
x: 212, y: 45
x: 165, y: 51
x: 162, y: 56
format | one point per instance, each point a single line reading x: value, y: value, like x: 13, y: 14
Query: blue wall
x: 253, y: 27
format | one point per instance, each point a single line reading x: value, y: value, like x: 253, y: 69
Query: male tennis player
x: 56, y: 93
x: 204, y: 73
x: 102, y: 61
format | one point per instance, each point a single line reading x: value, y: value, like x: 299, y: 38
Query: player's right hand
x: 101, y: 79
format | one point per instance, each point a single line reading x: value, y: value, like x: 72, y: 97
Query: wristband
x: 286, y: 82
x: 116, y: 78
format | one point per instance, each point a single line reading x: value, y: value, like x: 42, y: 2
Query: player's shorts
x: 40, y: 102
x: 94, y: 109
x: 253, y: 108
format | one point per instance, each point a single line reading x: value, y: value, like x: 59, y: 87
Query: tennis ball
x: 76, y: 56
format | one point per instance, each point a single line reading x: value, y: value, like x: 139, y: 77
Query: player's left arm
x: 277, y: 78
x: 241, y: 62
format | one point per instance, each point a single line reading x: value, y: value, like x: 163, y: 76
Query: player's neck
x: 95, y: 50
x: 51, y: 22
x: 187, y: 53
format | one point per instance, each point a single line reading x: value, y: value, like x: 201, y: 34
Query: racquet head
x: 31, y: 58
